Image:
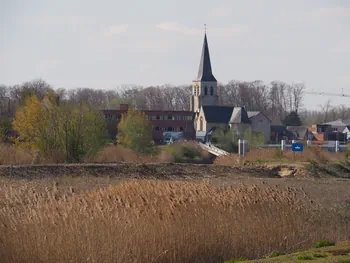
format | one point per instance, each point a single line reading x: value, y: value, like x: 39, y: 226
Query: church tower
x: 204, y: 88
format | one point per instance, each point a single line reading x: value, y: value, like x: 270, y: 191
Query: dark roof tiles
x: 219, y: 114
x: 204, y: 72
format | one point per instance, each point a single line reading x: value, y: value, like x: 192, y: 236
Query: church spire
x: 204, y: 72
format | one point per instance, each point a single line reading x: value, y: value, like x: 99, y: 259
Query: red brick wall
x: 160, y: 125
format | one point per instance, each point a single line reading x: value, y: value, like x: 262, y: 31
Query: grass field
x: 338, y: 253
x: 181, y: 219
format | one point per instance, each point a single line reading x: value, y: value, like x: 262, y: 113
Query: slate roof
x: 299, y: 132
x: 282, y: 131
x: 204, y: 72
x: 252, y: 114
x: 339, y: 123
x: 239, y: 115
x: 219, y: 114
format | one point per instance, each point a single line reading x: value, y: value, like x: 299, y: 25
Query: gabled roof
x: 338, y: 123
x: 219, y: 114
x: 204, y: 72
x: 239, y: 115
x: 299, y: 132
x: 252, y: 114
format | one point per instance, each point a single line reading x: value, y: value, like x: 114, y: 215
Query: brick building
x: 162, y: 121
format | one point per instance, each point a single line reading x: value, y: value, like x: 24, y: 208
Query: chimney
x: 124, y: 107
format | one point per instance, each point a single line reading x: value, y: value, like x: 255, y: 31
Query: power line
x: 327, y: 94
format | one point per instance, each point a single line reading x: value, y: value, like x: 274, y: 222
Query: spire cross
x: 205, y: 28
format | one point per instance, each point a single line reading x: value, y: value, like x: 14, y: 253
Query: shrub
x: 276, y: 254
x: 305, y: 257
x: 344, y: 261
x: 319, y: 255
x: 323, y: 243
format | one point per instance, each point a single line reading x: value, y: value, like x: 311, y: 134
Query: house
x: 279, y: 133
x: 342, y: 126
x: 300, y: 133
x: 260, y: 122
x: 236, y: 119
x: 331, y: 131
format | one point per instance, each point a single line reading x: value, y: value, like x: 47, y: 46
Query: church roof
x: 239, y: 115
x: 218, y: 114
x: 252, y: 114
x: 204, y: 72
x: 226, y: 114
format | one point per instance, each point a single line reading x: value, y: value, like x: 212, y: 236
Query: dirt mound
x: 124, y: 170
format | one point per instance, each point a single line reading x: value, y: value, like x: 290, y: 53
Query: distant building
x: 205, y: 112
x: 209, y: 115
x: 162, y: 121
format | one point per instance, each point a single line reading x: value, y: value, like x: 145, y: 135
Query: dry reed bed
x: 309, y: 154
x: 158, y: 221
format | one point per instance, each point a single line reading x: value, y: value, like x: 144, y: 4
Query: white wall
x: 263, y: 124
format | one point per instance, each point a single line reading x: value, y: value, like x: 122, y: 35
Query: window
x: 108, y: 116
x: 188, y: 118
x: 181, y: 129
x: 206, y: 90
x: 157, y: 117
x: 201, y: 124
x: 149, y: 117
x: 170, y: 117
x: 169, y: 129
x: 197, y: 90
x: 157, y: 128
x: 335, y: 129
x: 211, y: 91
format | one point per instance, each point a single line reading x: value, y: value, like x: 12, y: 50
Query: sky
x: 105, y: 44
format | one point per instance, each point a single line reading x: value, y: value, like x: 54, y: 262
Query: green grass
x: 234, y: 260
x: 324, y: 243
x: 322, y: 252
x: 320, y: 255
x: 276, y: 254
x: 305, y: 257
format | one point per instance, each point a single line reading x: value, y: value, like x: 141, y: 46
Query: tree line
x: 276, y: 99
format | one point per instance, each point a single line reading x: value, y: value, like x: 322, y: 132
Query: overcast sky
x: 103, y: 44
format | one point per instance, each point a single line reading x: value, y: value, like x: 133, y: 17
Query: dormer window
x: 206, y: 91
x: 211, y: 91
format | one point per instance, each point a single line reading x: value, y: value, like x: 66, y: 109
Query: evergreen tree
x: 292, y: 119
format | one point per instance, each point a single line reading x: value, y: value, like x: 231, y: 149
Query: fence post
x: 283, y: 145
x: 336, y: 146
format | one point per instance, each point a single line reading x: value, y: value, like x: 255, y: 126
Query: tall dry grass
x: 12, y: 155
x: 157, y: 221
x: 309, y: 154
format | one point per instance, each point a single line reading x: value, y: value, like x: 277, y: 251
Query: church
x: 210, y: 115
x: 205, y: 112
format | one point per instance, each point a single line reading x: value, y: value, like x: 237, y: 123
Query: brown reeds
x: 157, y: 221
x: 260, y: 155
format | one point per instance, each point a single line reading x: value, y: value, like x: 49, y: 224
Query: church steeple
x: 205, y: 87
x: 204, y: 72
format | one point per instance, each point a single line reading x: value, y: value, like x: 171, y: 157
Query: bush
x: 318, y: 255
x: 305, y: 257
x: 276, y: 254
x: 323, y: 243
